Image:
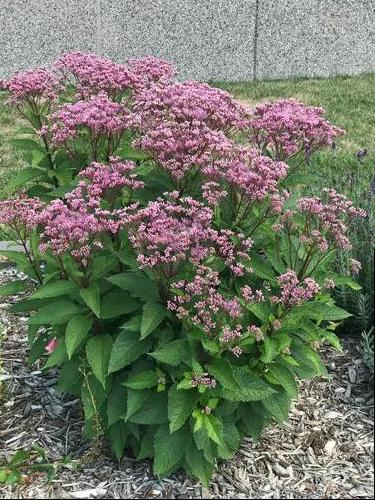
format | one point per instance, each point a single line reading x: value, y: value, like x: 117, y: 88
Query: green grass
x: 10, y: 161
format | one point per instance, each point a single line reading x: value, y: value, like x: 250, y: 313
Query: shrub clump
x: 182, y: 286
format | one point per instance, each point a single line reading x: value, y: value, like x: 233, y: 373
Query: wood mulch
x: 324, y: 451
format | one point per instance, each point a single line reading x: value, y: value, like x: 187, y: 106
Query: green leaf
x: 153, y: 315
x: 173, y: 353
x: 252, y: 388
x: 333, y: 339
x: 269, y: 350
x: 98, y: 351
x: 308, y: 359
x: 55, y: 289
x: 76, y: 331
x: 20, y: 457
x: 261, y: 310
x: 214, y: 428
x: 91, y: 297
x: 135, y: 402
x: 197, y: 464
x: 284, y: 377
x: 180, y: 407
x: 117, y: 438
x: 26, y: 144
x: 278, y: 405
x: 142, y: 380
x: 254, y: 418
x: 116, y: 304
x: 168, y: 449
x: 147, y: 444
x: 126, y: 349
x: 153, y: 410
x: 133, y: 325
x: 25, y: 175
x: 322, y: 312
x: 116, y: 404
x: 57, y: 313
x: 58, y: 357
x: 13, y: 288
x: 137, y: 283
x: 262, y: 268
x: 222, y: 371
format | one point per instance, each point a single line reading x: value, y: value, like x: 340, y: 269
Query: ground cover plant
x: 183, y: 281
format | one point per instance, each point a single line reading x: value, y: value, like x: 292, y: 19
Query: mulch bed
x: 324, y: 451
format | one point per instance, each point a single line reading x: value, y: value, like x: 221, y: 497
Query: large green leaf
x: 197, y: 465
x: 117, y: 438
x: 13, y: 288
x: 153, y: 314
x: 77, y: 330
x: 116, y: 304
x: 169, y: 449
x: 142, y: 380
x: 180, y: 407
x: 222, y: 371
x: 278, y: 405
x: 137, y: 283
x: 153, y: 410
x: 98, y: 352
x: 252, y: 388
x: 116, y: 403
x: 58, y: 357
x: 269, y: 349
x: 25, y: 175
x: 284, y: 377
x: 57, y: 313
x: 55, y: 289
x: 91, y: 297
x: 135, y: 401
x: 126, y: 349
x: 173, y: 353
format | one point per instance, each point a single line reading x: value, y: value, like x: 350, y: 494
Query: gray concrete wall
x: 205, y: 39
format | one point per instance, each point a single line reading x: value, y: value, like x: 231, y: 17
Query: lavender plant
x: 181, y: 288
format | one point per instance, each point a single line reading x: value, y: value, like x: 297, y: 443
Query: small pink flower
x: 51, y: 346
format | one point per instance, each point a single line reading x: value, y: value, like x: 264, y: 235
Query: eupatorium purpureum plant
x: 181, y: 285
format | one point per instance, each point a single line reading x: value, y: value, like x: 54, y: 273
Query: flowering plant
x: 181, y: 289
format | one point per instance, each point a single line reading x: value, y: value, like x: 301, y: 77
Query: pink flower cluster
x: 287, y: 127
x: 94, y: 73
x: 20, y: 214
x: 150, y: 70
x: 174, y: 230
x: 212, y: 193
x: 31, y: 84
x: 293, y: 291
x: 204, y: 379
x: 202, y: 303
x: 100, y: 115
x: 114, y: 175
x: 329, y: 216
x: 253, y: 175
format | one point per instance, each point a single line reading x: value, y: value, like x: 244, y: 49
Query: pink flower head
x: 150, y: 70
x: 32, y: 84
x: 94, y: 74
x: 52, y: 345
x: 287, y: 127
x: 100, y: 115
x: 295, y: 292
x: 20, y: 214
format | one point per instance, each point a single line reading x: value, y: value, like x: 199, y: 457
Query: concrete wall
x: 206, y: 39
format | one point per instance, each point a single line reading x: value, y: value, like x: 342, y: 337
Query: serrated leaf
x: 153, y: 314
x: 13, y: 288
x: 197, y: 464
x: 285, y: 378
x: 214, y: 428
x: 333, y: 339
x: 58, y: 356
x: 147, y: 444
x: 57, y: 313
x: 55, y: 289
x: 153, y: 410
x: 278, y: 405
x: 126, y: 349
x: 98, y: 352
x: 252, y: 388
x: 269, y: 350
x: 91, y: 297
x: 25, y: 175
x: 222, y: 371
x: 137, y: 283
x: 116, y: 304
x: 116, y: 404
x: 76, y: 331
x: 173, y: 353
x: 142, y: 380
x: 135, y: 401
x: 180, y: 407
x: 168, y: 449
x: 117, y: 438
